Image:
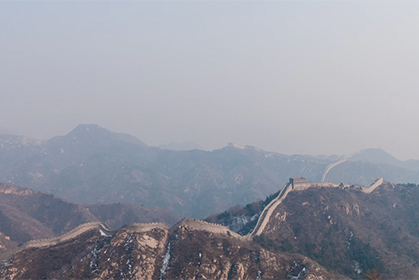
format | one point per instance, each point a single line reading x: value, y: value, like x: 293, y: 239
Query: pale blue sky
x: 292, y: 77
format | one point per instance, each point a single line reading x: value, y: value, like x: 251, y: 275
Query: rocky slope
x: 189, y: 250
x: 347, y: 231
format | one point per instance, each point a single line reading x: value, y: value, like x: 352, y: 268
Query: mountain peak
x: 89, y: 128
x: 376, y: 155
x: 233, y: 145
x: 95, y: 134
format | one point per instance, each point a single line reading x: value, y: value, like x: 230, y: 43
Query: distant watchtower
x: 297, y: 181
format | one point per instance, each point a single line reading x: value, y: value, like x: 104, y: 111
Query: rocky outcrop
x: 214, y: 255
x: 92, y: 251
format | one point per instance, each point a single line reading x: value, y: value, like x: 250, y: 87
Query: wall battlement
x: 86, y: 227
x: 141, y: 227
x: 203, y: 225
x: 66, y: 236
x: 298, y: 181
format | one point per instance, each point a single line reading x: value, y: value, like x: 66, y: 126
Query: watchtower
x: 297, y: 181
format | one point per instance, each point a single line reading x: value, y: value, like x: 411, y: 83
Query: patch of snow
x: 356, y: 267
x: 236, y: 224
x: 301, y: 274
x: 104, y: 234
x: 348, y: 242
x: 94, y: 253
x: 166, y: 262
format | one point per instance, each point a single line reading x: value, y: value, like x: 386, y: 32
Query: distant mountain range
x: 93, y: 165
x: 380, y: 156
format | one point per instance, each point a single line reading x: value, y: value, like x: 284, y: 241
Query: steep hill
x: 347, y: 231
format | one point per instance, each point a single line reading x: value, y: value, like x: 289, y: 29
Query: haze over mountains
x: 314, y: 233
x: 92, y: 164
x: 287, y: 101
x: 4, y: 130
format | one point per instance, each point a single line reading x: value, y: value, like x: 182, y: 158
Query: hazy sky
x: 292, y: 77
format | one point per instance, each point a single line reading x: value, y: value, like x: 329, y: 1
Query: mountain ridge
x: 94, y: 165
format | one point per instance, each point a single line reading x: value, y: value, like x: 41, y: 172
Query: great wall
x: 299, y: 184
x: 295, y: 184
x: 142, y: 227
x: 330, y: 166
x: 135, y: 227
x: 203, y: 225
x: 101, y: 227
